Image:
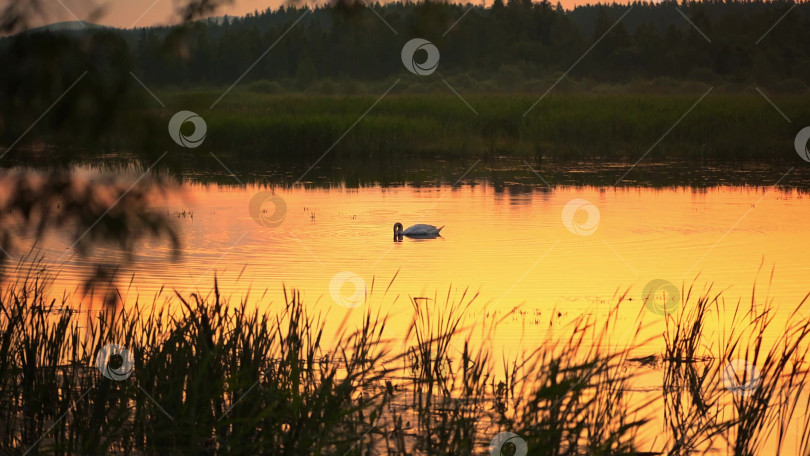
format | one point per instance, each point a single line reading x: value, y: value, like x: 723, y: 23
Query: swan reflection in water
x: 419, y: 231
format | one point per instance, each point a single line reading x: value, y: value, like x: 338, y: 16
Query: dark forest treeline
x: 520, y: 39
x: 516, y: 40
x: 91, y: 83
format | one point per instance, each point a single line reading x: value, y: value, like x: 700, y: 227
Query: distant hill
x: 69, y: 26
x: 77, y: 26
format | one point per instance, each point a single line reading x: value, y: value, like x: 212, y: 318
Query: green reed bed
x: 216, y: 375
x: 564, y: 126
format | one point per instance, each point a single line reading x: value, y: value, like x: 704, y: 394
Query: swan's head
x: 397, y: 229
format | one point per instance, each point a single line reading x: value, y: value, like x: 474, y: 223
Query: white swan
x: 417, y: 230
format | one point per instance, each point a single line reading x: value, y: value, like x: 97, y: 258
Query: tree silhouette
x: 109, y: 209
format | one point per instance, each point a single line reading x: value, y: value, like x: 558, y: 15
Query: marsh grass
x: 569, y: 397
x: 214, y: 375
x: 706, y: 400
x: 567, y: 126
x: 564, y: 127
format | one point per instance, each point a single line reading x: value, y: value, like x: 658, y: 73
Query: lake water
x: 511, y: 248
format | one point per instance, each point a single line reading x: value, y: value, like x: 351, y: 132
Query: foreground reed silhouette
x: 215, y: 376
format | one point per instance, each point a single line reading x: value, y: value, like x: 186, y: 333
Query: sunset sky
x: 125, y: 13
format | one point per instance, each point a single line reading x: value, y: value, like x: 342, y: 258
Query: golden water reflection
x: 513, y: 249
